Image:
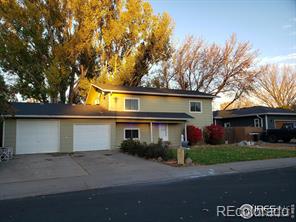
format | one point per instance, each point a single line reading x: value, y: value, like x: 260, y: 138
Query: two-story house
x: 110, y: 115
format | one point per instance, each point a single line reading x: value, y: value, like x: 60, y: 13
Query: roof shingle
x: 156, y: 91
x: 50, y: 110
x: 255, y: 110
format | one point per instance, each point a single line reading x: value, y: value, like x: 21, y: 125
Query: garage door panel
x: 91, y: 137
x: 37, y: 136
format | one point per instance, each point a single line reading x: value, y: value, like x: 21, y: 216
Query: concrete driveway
x: 101, y: 164
x: 40, y: 174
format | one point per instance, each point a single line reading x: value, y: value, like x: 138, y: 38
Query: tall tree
x: 242, y: 102
x: 4, y: 97
x: 228, y: 69
x: 276, y: 87
x: 59, y: 45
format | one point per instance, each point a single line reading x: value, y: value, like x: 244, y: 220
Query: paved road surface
x: 190, y: 200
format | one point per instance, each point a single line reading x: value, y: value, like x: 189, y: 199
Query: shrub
x: 153, y: 150
x: 214, y: 134
x: 194, y: 135
x: 130, y: 146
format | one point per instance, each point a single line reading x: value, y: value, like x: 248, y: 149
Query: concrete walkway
x: 32, y: 175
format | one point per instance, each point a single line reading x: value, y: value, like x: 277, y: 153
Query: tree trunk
x: 63, y: 96
x: 71, y: 90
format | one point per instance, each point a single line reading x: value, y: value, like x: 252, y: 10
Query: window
x: 257, y: 123
x: 195, y: 107
x: 131, y: 134
x: 131, y: 104
x: 226, y: 125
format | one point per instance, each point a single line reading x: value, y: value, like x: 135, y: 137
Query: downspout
x: 261, y: 120
x: 266, y: 123
x: 185, y: 132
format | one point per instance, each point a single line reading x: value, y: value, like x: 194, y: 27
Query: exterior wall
x: 240, y: 121
x: 273, y: 118
x: 150, y: 103
x: 144, y: 129
x: 174, y: 132
x: 10, y: 133
x: 96, y: 98
x: 248, y: 121
x: 66, y: 132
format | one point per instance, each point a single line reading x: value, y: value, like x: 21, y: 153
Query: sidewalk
x: 121, y: 169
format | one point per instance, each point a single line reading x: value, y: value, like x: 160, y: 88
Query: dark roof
x: 251, y: 111
x: 155, y: 91
x: 50, y: 110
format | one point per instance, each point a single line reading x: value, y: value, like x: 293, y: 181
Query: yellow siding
x: 144, y: 131
x: 175, y: 131
x: 10, y: 133
x: 150, y: 103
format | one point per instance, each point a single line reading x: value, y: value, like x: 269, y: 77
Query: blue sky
x: 270, y: 25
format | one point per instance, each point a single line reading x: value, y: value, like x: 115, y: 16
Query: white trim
x: 167, y: 130
x: 132, y: 110
x: 153, y: 93
x: 258, y: 124
x: 288, y: 120
x: 195, y: 101
x: 139, y: 134
x: 151, y: 132
x: 272, y: 114
x: 3, y: 133
x: 266, y: 123
x: 277, y: 120
x: 93, y: 117
x: 227, y: 124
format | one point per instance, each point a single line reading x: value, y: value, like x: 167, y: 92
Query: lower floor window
x: 131, y: 134
x: 226, y: 125
x: 257, y: 123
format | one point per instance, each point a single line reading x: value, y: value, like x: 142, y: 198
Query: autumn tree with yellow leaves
x: 56, y: 48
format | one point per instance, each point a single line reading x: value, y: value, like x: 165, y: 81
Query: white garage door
x: 91, y: 137
x: 37, y: 136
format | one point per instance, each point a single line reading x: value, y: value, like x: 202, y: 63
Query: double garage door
x: 43, y: 136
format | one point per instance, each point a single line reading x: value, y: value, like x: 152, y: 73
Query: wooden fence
x: 237, y: 134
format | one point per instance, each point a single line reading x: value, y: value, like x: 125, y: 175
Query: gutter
x: 153, y: 93
x: 92, y: 117
x: 261, y: 120
x: 278, y: 114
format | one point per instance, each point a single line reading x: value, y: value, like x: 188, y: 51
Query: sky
x: 269, y: 25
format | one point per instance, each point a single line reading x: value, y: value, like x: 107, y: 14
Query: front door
x: 163, y: 132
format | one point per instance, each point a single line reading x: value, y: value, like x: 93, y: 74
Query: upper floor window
x: 132, y: 104
x: 195, y: 107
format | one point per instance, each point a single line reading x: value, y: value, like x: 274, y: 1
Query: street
x: 190, y: 200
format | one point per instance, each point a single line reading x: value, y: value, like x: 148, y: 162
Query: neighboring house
x: 256, y: 116
x: 111, y: 114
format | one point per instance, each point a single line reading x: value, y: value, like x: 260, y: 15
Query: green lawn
x: 207, y: 155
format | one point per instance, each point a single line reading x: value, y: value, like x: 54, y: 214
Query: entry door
x: 91, y: 137
x: 163, y: 132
